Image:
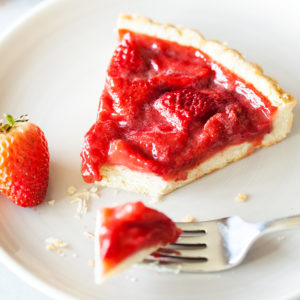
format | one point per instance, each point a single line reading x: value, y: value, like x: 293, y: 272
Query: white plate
x: 52, y: 66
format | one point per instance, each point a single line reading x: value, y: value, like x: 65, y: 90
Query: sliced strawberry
x: 127, y: 96
x: 120, y: 153
x: 158, y: 144
x: 127, y: 58
x: 177, y: 80
x: 182, y: 106
x: 24, y: 162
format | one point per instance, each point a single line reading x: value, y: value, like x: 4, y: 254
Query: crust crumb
x: 53, y: 244
x: 91, y: 262
x: 71, y: 190
x: 241, y: 197
x: 81, y: 198
x: 188, y: 219
x: 94, y: 189
x: 51, y: 202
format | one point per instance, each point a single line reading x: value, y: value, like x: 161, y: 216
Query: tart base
x: 155, y: 186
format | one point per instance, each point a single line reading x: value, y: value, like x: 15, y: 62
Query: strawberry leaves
x: 5, y: 127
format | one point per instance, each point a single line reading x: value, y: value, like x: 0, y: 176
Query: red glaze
x: 132, y: 227
x: 165, y: 108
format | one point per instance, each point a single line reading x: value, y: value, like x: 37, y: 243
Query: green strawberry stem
x: 5, y: 127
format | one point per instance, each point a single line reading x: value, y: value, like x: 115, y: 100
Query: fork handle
x: 281, y: 224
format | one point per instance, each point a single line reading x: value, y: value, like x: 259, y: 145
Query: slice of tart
x: 175, y: 107
x: 127, y: 234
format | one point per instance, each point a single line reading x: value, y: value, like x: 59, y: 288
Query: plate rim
x: 7, y: 258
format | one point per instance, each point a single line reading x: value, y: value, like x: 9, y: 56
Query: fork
x: 215, y: 245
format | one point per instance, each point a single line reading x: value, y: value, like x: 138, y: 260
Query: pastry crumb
x: 81, y: 198
x: 50, y: 247
x: 93, y: 189
x: 75, y: 255
x: 241, y: 197
x: 188, y: 219
x: 71, y: 190
x: 51, y: 202
x: 133, y: 279
x: 82, y: 207
x: 53, y: 244
x: 56, y: 242
x: 281, y: 237
x: 91, y: 262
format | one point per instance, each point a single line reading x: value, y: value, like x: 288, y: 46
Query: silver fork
x: 215, y: 245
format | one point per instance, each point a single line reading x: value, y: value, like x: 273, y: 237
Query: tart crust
x: 155, y: 186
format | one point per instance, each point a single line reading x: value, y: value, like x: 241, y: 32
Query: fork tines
x: 189, y: 246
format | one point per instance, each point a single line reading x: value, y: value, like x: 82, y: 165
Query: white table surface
x: 11, y: 287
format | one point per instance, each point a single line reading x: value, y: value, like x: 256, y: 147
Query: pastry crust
x: 121, y: 177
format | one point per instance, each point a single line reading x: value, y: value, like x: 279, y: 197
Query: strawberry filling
x: 166, y: 108
x: 130, y: 228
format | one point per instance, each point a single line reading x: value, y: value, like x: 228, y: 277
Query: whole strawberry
x: 24, y: 162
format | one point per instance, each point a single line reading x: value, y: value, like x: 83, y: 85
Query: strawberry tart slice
x: 126, y: 234
x: 176, y: 107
